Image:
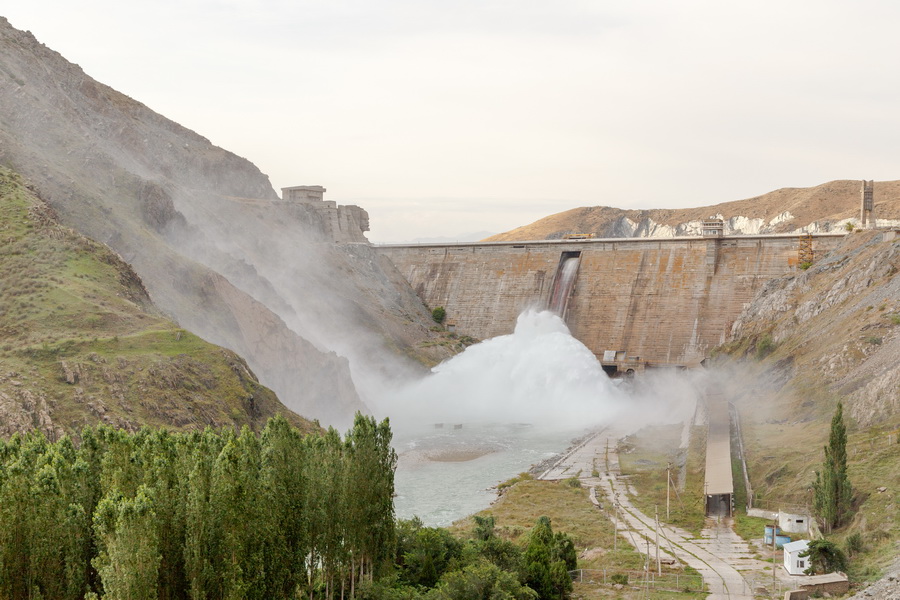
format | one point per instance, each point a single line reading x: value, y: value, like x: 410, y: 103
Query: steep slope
x: 806, y: 342
x: 83, y: 344
x: 199, y: 225
x: 836, y: 327
x: 825, y: 207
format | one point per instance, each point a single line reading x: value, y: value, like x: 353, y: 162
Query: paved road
x: 710, y: 554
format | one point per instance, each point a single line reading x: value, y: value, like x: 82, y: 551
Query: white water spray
x: 539, y: 375
x: 504, y: 405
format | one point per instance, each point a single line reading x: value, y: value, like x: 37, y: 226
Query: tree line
x: 203, y: 515
x: 225, y: 515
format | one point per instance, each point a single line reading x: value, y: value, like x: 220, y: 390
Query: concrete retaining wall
x: 665, y: 300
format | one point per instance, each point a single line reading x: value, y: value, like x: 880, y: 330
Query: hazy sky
x: 442, y: 118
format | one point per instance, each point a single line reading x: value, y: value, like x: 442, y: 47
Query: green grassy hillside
x: 81, y: 342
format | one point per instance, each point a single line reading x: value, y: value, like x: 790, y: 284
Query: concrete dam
x: 652, y: 301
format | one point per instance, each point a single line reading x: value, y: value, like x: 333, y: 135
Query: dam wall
x: 667, y: 301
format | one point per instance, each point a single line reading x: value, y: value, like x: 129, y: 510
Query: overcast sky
x: 442, y: 118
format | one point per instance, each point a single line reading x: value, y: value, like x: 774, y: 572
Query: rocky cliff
x: 804, y: 343
x: 836, y: 326
x: 205, y: 231
x: 820, y: 209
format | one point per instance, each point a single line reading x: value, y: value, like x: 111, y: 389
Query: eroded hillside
x: 83, y: 344
x: 806, y: 342
x: 836, y: 327
x: 822, y: 208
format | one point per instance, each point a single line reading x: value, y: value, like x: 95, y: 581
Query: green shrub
x: 439, y: 314
x: 854, y: 544
x: 620, y: 578
x: 874, y: 340
x: 805, y: 265
x: 765, y: 346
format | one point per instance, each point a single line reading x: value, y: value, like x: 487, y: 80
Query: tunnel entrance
x: 564, y: 283
x: 719, y: 505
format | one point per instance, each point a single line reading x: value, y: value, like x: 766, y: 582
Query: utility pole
x: 647, y: 564
x: 616, y: 513
x: 658, y: 565
x: 607, y: 455
x: 668, y: 481
x: 774, y: 536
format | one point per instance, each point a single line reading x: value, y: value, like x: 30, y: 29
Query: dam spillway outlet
x: 564, y: 282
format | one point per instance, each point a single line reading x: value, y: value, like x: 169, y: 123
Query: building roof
x: 718, y: 447
x: 799, y: 545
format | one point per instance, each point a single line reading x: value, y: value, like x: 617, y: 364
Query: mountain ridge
x: 822, y: 208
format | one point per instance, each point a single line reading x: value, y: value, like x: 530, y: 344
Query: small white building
x: 793, y: 563
x: 793, y: 522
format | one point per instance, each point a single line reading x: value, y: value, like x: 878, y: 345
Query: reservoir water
x: 446, y: 474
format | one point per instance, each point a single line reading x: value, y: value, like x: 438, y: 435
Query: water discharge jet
x: 564, y: 283
x: 539, y: 375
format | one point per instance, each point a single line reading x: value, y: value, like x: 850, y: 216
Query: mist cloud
x: 539, y: 375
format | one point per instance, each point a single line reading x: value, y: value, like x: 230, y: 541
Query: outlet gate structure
x: 719, y: 484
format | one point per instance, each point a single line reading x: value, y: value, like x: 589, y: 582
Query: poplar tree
x: 128, y: 561
x: 546, y: 559
x: 832, y: 490
x: 285, y: 489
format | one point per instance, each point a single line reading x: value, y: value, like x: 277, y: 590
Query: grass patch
x: 644, y: 458
x: 570, y: 510
x: 783, y: 458
x: 514, y: 480
x: 592, y: 531
x: 750, y: 528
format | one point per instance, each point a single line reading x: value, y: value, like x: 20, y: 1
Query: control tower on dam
x: 650, y: 301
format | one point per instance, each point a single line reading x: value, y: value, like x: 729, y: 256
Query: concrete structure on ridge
x: 867, y: 205
x: 342, y: 224
x: 713, y: 227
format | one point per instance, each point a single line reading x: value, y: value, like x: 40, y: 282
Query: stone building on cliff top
x: 343, y: 224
